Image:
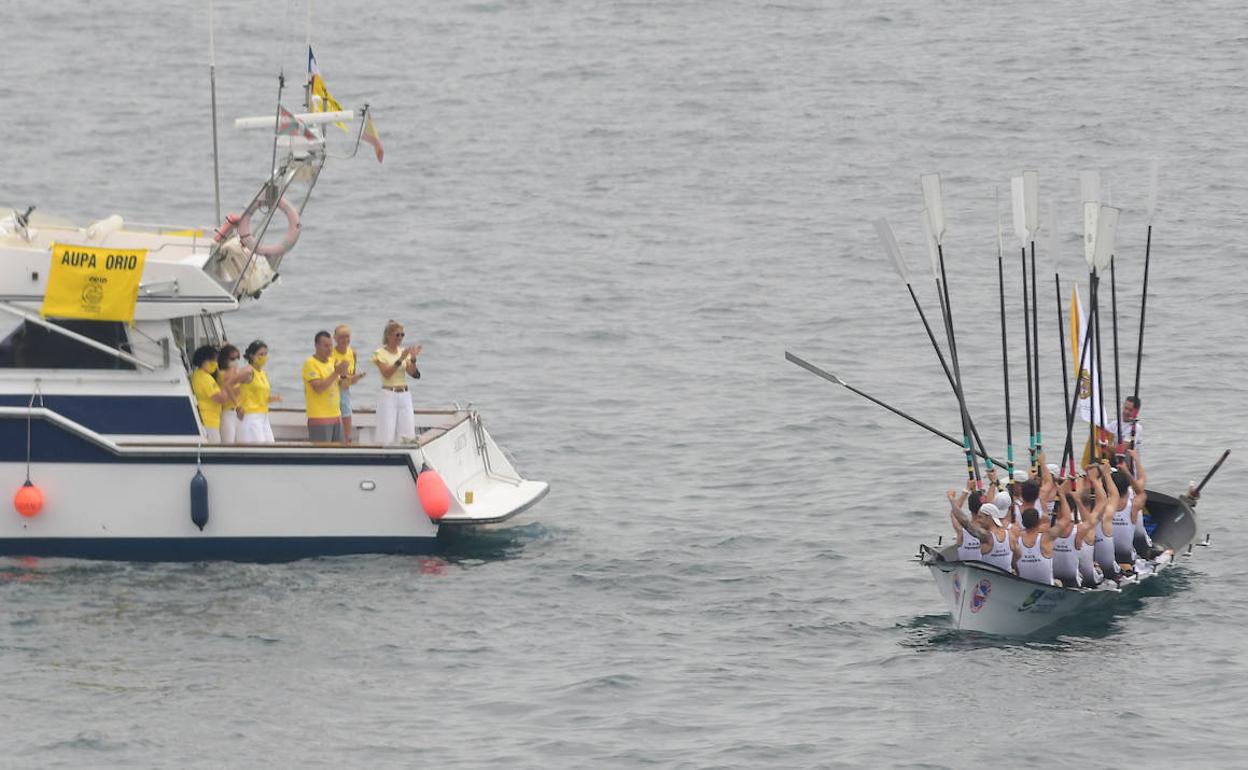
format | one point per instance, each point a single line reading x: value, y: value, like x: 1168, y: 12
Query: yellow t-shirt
x: 383, y: 356
x: 324, y: 404
x: 204, y: 386
x: 349, y: 357
x: 253, y: 396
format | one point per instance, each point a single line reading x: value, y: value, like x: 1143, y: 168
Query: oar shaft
x: 1212, y: 471
x: 940, y: 356
x: 1005, y: 367
x: 1061, y: 339
x: 972, y: 463
x: 1035, y: 342
x: 1113, y: 294
x: 837, y: 380
x: 1031, y: 403
x: 1139, y: 351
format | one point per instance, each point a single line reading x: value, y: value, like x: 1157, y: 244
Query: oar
x: 1085, y: 350
x: 1212, y: 471
x: 1031, y: 195
x: 1005, y: 349
x: 1050, y: 239
x: 1148, y: 247
x: 1113, y: 294
x: 833, y: 378
x: 1103, y: 254
x: 934, y: 219
x: 1019, y: 200
x: 889, y: 241
x: 1090, y: 184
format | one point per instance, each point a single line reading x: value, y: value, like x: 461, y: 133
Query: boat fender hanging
x: 29, y: 500
x: 288, y: 242
x: 435, y: 498
x: 199, y: 500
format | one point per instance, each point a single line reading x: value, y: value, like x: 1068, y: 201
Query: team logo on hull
x: 980, y: 597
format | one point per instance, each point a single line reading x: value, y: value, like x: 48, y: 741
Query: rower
x: 1126, y: 518
x: 1033, y: 548
x: 998, y: 548
x: 1105, y: 495
x: 1089, y: 523
x: 1066, y: 545
x: 968, y: 543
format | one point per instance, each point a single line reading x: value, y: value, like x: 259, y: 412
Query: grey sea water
x: 605, y: 222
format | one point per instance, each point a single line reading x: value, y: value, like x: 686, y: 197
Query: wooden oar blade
x: 1031, y: 201
x: 1152, y: 190
x: 1018, y: 201
x: 830, y: 377
x: 1090, y: 186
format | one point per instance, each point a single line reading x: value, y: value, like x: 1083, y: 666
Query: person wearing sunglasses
x: 395, y: 419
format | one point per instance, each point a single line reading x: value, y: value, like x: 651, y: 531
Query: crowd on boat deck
x: 234, y: 397
x: 1053, y: 528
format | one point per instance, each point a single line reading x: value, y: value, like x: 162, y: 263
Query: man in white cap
x: 985, y: 527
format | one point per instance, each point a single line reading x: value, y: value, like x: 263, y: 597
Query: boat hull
x: 984, y: 599
x: 105, y: 500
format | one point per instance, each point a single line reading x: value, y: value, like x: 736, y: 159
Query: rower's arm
x: 1140, y: 477
x: 965, y: 521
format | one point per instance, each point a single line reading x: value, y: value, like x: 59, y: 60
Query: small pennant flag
x: 372, y: 137
x: 289, y: 125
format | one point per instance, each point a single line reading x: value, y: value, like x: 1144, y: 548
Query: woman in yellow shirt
x: 255, y: 396
x: 227, y: 366
x: 394, y: 408
x: 209, y: 395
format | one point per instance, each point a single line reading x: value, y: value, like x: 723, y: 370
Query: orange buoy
x: 435, y: 498
x: 29, y: 500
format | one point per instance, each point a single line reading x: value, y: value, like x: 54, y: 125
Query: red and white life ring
x: 243, y: 224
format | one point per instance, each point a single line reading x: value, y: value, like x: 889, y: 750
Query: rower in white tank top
x: 969, y: 548
x: 1002, y: 553
x: 1103, y: 552
x: 1032, y: 563
x: 1124, y: 533
x: 1066, y: 558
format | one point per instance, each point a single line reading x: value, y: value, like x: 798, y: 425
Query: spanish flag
x: 317, y: 84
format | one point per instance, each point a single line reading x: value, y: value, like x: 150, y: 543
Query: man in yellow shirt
x: 320, y: 391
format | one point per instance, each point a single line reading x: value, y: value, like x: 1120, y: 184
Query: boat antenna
x: 889, y: 241
x: 307, y: 83
x: 212, y: 80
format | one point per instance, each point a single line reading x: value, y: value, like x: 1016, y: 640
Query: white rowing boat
x: 989, y: 600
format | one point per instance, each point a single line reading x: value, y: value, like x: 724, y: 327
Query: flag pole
x: 1074, y: 398
x: 212, y: 81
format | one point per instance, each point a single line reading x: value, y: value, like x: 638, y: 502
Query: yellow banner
x: 93, y: 283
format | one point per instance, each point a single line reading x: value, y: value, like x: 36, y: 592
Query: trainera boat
x: 104, y: 447
x: 987, y: 599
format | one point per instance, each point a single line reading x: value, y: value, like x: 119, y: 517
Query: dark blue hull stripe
x: 121, y: 415
x: 248, y: 549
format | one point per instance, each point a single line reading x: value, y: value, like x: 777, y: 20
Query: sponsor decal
x: 980, y: 597
x: 1042, y: 602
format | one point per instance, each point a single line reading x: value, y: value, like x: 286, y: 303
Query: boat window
x: 31, y: 346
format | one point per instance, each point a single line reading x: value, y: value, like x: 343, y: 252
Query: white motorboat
x: 98, y: 416
x: 986, y: 599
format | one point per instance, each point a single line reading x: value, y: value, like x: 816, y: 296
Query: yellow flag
x: 93, y: 283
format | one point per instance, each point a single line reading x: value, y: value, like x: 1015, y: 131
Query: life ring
x: 292, y: 231
x: 227, y: 227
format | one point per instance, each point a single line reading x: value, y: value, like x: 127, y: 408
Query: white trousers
x: 212, y: 436
x: 394, y: 417
x: 255, y: 429
x: 229, y: 425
